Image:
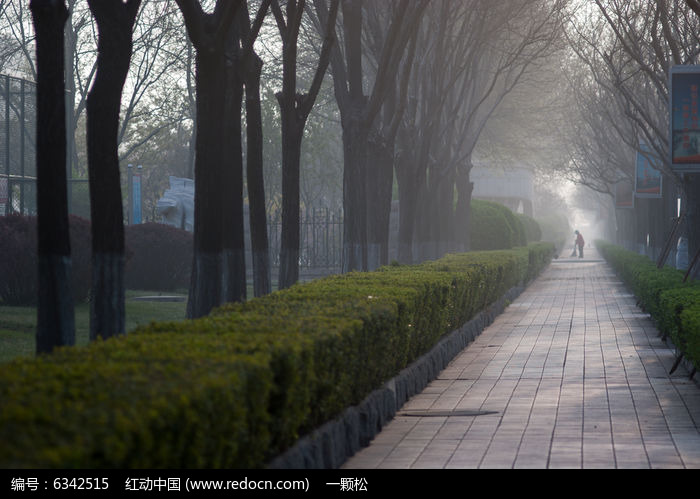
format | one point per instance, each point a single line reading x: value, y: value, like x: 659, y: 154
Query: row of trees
x: 415, y: 83
x: 625, y: 50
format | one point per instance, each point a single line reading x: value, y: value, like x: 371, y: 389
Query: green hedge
x: 494, y: 226
x: 236, y: 388
x: 674, y: 305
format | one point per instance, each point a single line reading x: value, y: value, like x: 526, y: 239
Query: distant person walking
x: 579, y: 243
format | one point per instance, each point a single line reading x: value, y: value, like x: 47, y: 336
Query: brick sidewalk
x: 571, y: 375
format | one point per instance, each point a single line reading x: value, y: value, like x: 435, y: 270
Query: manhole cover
x: 434, y: 413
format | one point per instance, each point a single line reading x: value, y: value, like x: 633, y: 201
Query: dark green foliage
x: 494, y: 226
x: 533, y: 233
x: 19, y: 267
x: 160, y: 257
x: 235, y: 388
x: 690, y: 322
x: 674, y: 305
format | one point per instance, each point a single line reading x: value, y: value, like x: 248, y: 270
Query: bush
x: 533, y: 233
x: 494, y: 226
x: 674, y: 305
x: 19, y: 275
x: 690, y: 325
x: 236, y: 388
x: 160, y: 257
x: 556, y: 229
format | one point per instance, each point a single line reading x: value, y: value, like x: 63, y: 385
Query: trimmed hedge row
x: 238, y: 387
x: 674, y: 305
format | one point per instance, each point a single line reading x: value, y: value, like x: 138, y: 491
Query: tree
x: 471, y: 58
x: 151, y: 91
x: 251, y: 67
x: 630, y: 48
x: 359, y: 111
x: 381, y: 152
x: 55, y: 321
x: 692, y: 188
x: 295, y: 108
x: 16, y: 37
x: 231, y: 183
x: 115, y: 22
x: 208, y: 31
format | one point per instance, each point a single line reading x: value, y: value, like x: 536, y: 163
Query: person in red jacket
x: 580, y: 243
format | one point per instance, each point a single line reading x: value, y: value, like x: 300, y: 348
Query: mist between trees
x: 345, y: 105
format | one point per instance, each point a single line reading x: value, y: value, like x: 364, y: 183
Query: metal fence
x: 17, y: 146
x: 321, y: 239
x: 18, y: 153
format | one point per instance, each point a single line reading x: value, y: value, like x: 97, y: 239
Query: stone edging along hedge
x: 673, y: 305
x: 238, y: 388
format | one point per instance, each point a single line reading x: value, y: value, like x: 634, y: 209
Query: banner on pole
x: 647, y: 179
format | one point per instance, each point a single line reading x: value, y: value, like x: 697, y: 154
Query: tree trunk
x: 380, y: 178
x: 292, y: 132
x: 462, y: 224
x: 444, y: 203
x: 625, y: 228
x: 293, y: 121
x: 295, y: 109
x: 422, y: 248
x: 670, y: 213
x: 354, y: 204
x: 262, y: 282
x: 69, y: 94
x: 408, y: 180
x: 205, y: 286
x: 355, y: 142
x: 407, y: 216
x: 233, y: 233
x: 656, y: 227
x: 207, y: 32
x: 115, y: 22
x: 55, y: 314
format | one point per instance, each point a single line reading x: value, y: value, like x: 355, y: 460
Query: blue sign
x: 136, y: 199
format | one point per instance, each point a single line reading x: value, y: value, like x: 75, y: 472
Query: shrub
x: 19, y: 278
x: 690, y: 323
x: 555, y: 228
x: 160, y: 257
x: 533, y: 233
x: 674, y: 305
x: 235, y: 388
x: 494, y: 226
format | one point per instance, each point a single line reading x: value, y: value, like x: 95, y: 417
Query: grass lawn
x: 18, y: 324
